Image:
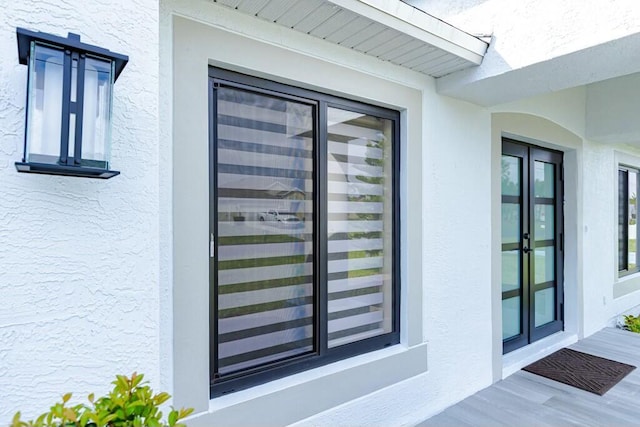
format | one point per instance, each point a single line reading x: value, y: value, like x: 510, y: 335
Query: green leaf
x: 108, y: 419
x: 40, y: 419
x: 136, y: 379
x: 173, y: 418
x: 185, y: 412
x: 122, y: 383
x: 15, y: 422
x: 70, y: 414
x: 161, y: 398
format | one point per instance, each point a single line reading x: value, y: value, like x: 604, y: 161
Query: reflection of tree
x: 544, y: 179
x: 377, y: 145
x: 509, y: 185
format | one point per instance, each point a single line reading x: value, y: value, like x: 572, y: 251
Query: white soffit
x: 387, y: 29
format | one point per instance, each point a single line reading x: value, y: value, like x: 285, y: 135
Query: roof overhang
x: 389, y: 30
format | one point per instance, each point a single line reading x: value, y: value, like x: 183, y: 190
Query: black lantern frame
x: 74, y: 57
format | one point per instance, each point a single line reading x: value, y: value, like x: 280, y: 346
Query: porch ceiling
x: 386, y: 29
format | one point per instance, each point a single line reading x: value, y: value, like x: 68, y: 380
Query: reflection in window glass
x: 511, y: 223
x: 632, y: 216
x: 511, y: 270
x: 265, y: 225
x: 544, y: 260
x: 511, y: 318
x: 359, y: 226
x: 543, y: 221
x: 544, y: 306
x: 627, y: 219
x: 510, y: 176
x: 544, y: 179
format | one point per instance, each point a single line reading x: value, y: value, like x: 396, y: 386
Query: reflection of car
x: 274, y: 215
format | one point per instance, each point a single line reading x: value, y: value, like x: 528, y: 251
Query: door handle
x: 526, y: 250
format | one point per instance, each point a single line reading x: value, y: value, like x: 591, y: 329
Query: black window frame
x: 220, y: 385
x: 623, y: 224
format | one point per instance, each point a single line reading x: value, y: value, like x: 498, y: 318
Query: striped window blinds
x: 304, y: 256
x: 265, y: 229
x: 628, y: 185
x: 359, y: 225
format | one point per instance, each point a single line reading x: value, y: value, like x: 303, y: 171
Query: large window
x: 304, y: 229
x: 628, y: 185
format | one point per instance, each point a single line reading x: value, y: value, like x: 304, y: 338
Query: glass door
x: 532, y: 249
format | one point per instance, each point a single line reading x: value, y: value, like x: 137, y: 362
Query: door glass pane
x: 632, y: 218
x: 543, y: 222
x: 511, y: 270
x: 510, y: 317
x: 511, y: 229
x: 544, y: 179
x: 360, y: 226
x: 545, y: 301
x: 544, y: 260
x: 265, y: 225
x: 510, y: 176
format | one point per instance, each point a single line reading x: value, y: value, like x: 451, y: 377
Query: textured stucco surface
x: 86, y: 265
x: 79, y: 258
x: 550, y: 45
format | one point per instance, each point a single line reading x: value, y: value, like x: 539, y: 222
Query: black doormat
x: 581, y: 370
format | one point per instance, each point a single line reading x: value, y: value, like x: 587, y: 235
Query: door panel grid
x: 531, y: 188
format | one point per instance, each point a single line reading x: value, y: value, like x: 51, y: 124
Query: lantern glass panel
x: 96, y: 118
x: 44, y: 104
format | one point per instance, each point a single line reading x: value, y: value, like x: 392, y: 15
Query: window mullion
x: 213, y: 230
x: 322, y: 233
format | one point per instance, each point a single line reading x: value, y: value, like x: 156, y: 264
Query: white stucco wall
x: 88, y: 269
x: 552, y: 28
x: 550, y: 45
x: 612, y: 110
x: 79, y: 258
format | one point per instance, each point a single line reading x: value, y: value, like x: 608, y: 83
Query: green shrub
x: 632, y: 323
x: 131, y: 403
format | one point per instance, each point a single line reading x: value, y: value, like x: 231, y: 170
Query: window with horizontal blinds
x: 623, y: 190
x: 304, y: 229
x: 359, y: 225
x: 265, y: 229
x: 628, y: 185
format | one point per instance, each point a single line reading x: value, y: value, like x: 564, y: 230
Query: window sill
x: 356, y: 377
x: 626, y: 284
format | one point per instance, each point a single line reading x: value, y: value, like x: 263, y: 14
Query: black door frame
x: 527, y: 243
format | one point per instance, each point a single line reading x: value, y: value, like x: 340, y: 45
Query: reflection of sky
x: 544, y: 179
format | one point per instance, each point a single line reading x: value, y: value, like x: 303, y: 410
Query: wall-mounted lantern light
x: 69, y: 94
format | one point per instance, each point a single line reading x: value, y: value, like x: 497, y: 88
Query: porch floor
x: 525, y: 399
